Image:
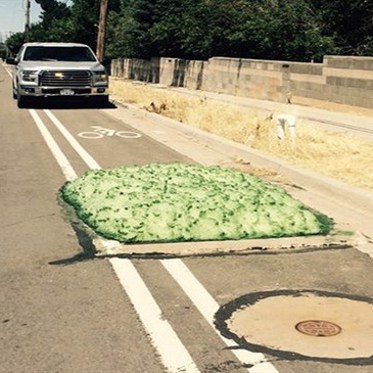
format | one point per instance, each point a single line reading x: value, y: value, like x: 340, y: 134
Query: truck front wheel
x: 22, y: 101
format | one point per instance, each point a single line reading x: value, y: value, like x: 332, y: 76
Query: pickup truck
x: 58, y: 70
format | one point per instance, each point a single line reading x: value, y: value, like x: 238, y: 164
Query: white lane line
x: 87, y: 158
x: 160, y: 331
x: 60, y: 157
x: 207, y: 306
x: 173, y: 353
x: 8, y: 71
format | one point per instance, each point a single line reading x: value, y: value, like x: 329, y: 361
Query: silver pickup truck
x: 58, y: 69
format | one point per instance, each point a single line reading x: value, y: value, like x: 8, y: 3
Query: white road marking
x: 7, y: 70
x: 190, y: 285
x: 60, y: 157
x: 87, y: 158
x: 207, y: 306
x: 99, y: 132
x: 173, y: 354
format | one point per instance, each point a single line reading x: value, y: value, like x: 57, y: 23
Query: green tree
x: 180, y: 30
x: 199, y: 29
x: 295, y: 32
x: 300, y: 30
x: 14, y: 42
x: 83, y: 20
x: 350, y: 23
x: 128, y: 29
x: 3, y: 50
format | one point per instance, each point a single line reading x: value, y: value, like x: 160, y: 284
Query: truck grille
x: 66, y: 78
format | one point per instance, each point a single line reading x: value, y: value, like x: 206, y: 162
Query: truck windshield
x: 49, y: 53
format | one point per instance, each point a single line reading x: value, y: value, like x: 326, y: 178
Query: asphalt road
x: 64, y: 310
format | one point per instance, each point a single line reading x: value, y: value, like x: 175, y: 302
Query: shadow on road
x: 68, y: 103
x: 85, y: 243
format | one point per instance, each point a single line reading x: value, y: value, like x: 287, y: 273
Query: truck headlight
x: 29, y: 75
x: 100, y: 77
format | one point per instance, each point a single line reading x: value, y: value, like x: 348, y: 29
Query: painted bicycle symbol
x: 99, y: 132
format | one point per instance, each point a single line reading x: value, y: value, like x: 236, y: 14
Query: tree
x: 300, y: 30
x: 350, y: 23
x: 3, y: 50
x: 294, y: 31
x: 52, y: 9
x: 128, y: 29
x: 14, y: 42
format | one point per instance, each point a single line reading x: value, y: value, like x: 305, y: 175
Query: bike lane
x: 60, y: 310
x: 213, y: 351
x: 113, y: 142
x: 248, y: 274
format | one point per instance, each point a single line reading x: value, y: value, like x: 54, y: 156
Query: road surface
x: 65, y: 310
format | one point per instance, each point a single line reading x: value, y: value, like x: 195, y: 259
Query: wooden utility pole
x: 27, y: 20
x: 102, y: 30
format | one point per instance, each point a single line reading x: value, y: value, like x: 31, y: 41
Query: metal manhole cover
x: 318, y: 328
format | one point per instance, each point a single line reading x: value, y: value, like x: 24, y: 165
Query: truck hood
x: 60, y: 65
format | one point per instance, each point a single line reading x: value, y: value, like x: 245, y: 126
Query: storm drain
x: 302, y: 324
x: 318, y: 328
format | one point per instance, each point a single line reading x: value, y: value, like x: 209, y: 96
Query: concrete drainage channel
x: 302, y: 324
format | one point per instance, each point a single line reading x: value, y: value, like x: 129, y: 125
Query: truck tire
x: 22, y: 101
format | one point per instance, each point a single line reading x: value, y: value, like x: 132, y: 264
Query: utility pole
x: 102, y: 30
x: 27, y: 20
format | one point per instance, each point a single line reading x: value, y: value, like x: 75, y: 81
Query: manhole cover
x: 308, y: 324
x: 318, y: 328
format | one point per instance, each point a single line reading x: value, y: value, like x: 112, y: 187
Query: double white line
x: 172, y: 352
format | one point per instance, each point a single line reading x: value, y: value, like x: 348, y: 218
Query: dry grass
x: 338, y: 155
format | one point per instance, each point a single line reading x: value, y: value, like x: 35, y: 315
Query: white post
x: 286, y: 122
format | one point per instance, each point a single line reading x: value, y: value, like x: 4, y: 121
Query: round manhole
x: 295, y: 324
x: 318, y: 328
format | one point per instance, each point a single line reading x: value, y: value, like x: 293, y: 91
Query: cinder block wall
x: 349, y: 80
x: 339, y: 79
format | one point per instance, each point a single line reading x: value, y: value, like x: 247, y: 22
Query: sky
x: 12, y: 16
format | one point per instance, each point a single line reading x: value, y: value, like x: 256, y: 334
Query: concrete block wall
x: 350, y: 80
x: 260, y: 79
x: 136, y: 69
x: 339, y: 79
x: 181, y: 73
x: 306, y: 80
